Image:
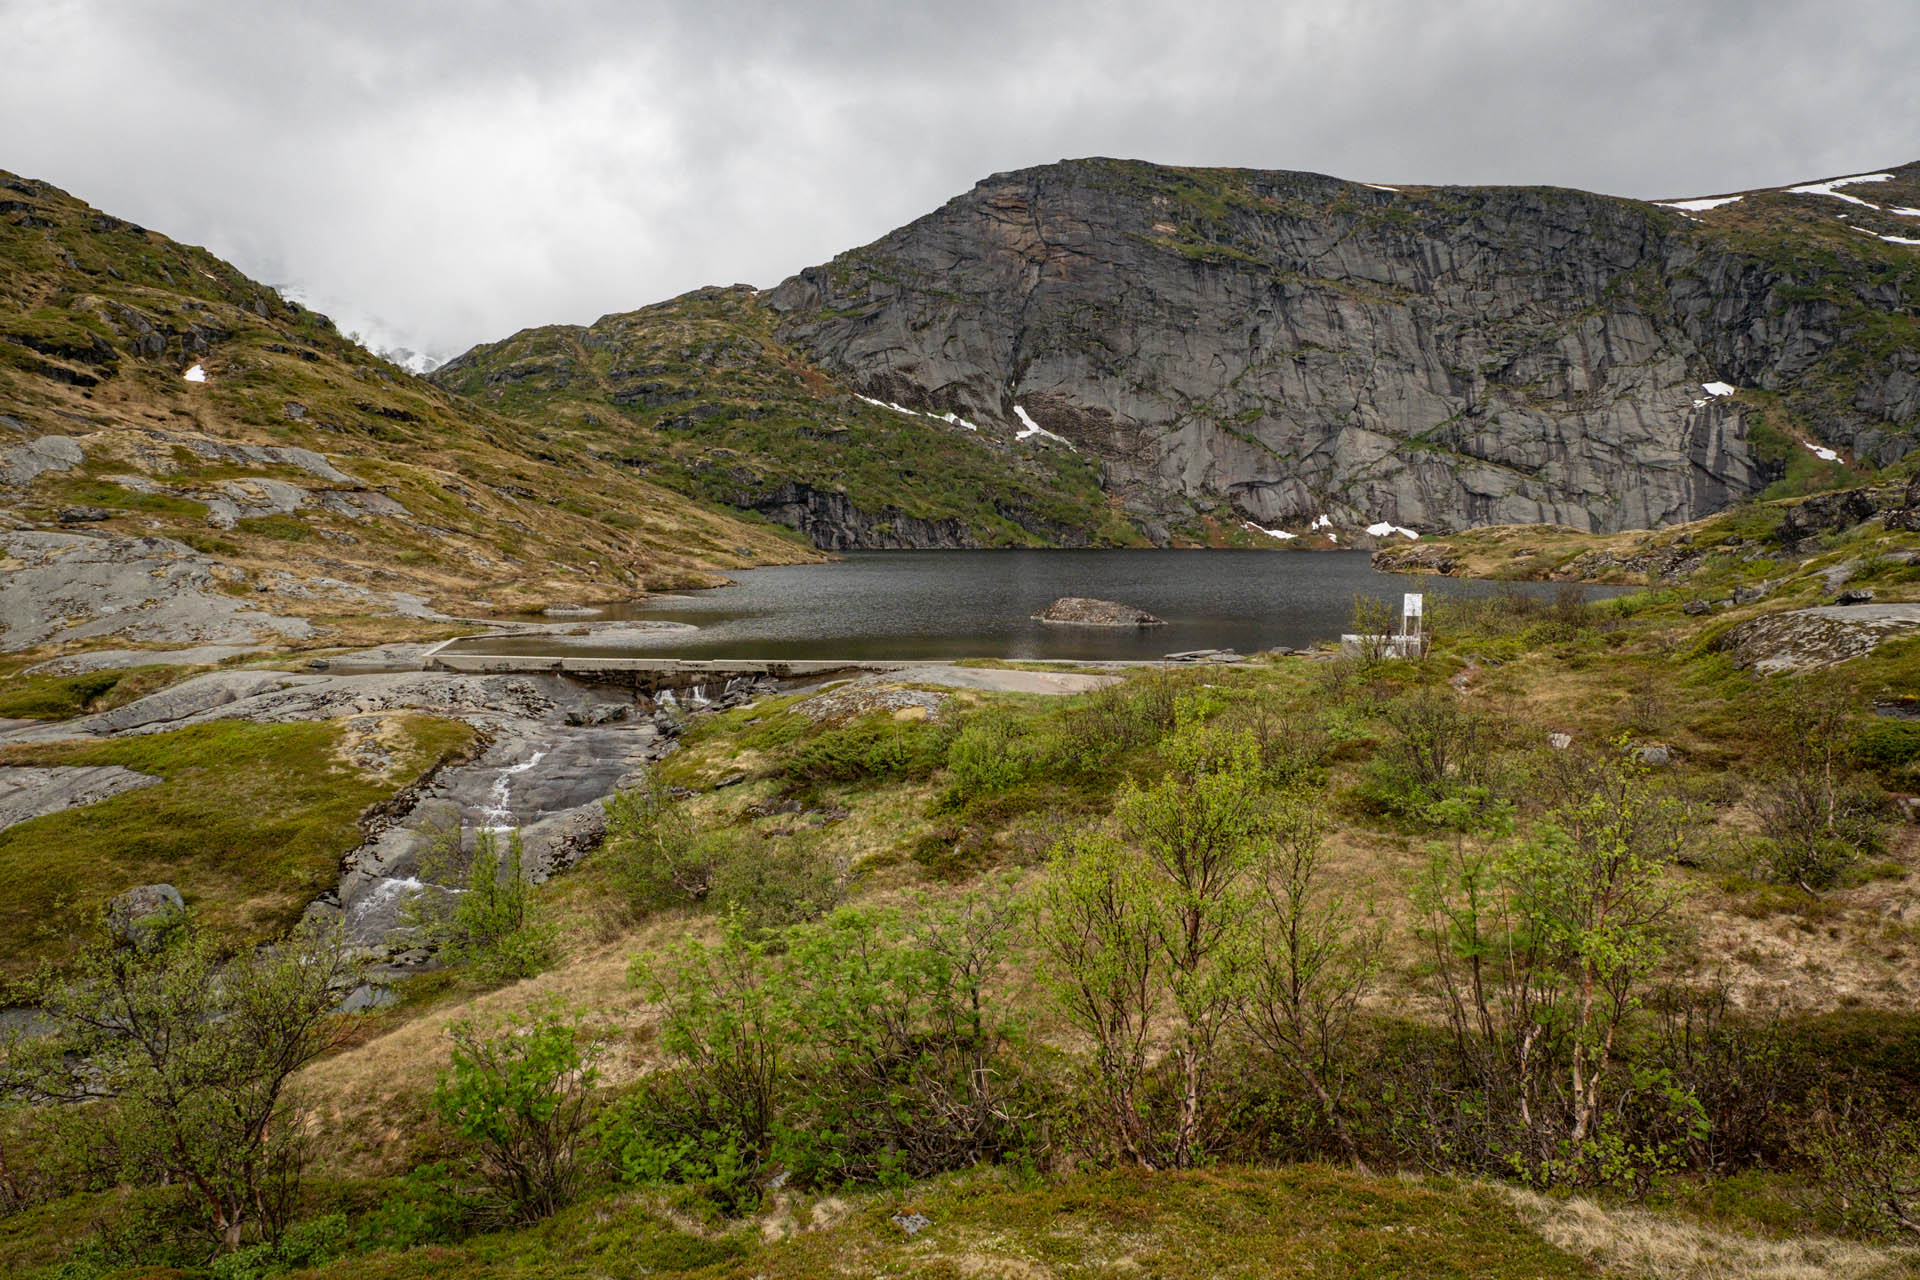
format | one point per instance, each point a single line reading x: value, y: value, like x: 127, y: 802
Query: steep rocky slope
x: 235, y: 445
x: 699, y: 393
x: 1288, y: 345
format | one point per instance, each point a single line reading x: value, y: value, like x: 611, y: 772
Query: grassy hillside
x: 1786, y: 549
x: 406, y: 488
x: 1780, y: 1011
x: 699, y: 394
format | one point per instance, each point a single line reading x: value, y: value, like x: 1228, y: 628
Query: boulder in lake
x: 1079, y: 611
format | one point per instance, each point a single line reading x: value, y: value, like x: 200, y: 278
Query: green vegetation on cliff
x: 699, y: 395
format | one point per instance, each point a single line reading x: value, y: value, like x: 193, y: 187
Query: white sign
x: 1410, y: 605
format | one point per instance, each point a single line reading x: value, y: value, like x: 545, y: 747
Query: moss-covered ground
x: 249, y: 823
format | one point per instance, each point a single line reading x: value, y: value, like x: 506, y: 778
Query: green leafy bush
x: 996, y: 751
x: 1818, y: 819
x: 868, y: 1051
x: 517, y: 1092
x: 727, y: 1027
x: 1434, y: 748
x: 907, y: 1067
x: 426, y: 1206
x: 1889, y: 747
x: 490, y: 925
x: 871, y: 749
x: 654, y: 850
x: 773, y: 882
x: 187, y: 1055
x: 663, y: 859
x: 305, y: 1244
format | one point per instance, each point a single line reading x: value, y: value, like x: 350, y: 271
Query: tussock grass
x: 1639, y: 1242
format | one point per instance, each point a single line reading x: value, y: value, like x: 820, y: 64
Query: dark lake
x: 978, y: 604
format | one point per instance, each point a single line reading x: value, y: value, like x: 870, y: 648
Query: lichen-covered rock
x: 1084, y: 612
x: 1826, y: 513
x: 30, y: 791
x: 1907, y: 514
x: 1416, y: 559
x: 1802, y: 639
x: 142, y: 915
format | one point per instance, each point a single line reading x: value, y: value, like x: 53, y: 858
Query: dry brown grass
x: 1636, y: 1242
x: 373, y: 1096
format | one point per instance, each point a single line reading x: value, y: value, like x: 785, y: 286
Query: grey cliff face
x: 1289, y: 345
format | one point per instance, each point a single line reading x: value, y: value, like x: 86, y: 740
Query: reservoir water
x: 979, y: 604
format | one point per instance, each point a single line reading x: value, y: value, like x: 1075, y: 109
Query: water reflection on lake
x: 978, y: 604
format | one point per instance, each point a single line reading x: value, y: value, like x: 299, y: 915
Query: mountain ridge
x: 151, y: 393
x: 1532, y: 303
x: 1004, y: 316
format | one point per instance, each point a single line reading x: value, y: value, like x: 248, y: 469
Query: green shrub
x: 1818, y: 822
x: 1889, y: 747
x: 1867, y: 1160
x: 728, y: 1029
x: 662, y: 859
x: 1435, y: 748
x: 996, y: 751
x: 655, y: 853
x: 517, y: 1092
x: 189, y: 1054
x: 489, y: 926
x: 868, y: 1051
x: 305, y: 1244
x: 426, y: 1206
x: 871, y: 749
x: 1124, y: 717
x: 907, y: 1067
x: 772, y: 882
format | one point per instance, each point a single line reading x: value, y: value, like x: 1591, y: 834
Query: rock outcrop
x: 1907, y: 514
x: 832, y: 521
x: 28, y: 792
x: 1079, y: 611
x: 1292, y: 346
x: 63, y: 587
x: 1801, y: 639
x: 141, y: 916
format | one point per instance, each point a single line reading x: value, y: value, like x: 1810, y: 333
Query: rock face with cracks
x: 63, y: 587
x: 33, y: 792
x: 1295, y: 346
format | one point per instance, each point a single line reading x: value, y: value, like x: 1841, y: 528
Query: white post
x: 1410, y: 626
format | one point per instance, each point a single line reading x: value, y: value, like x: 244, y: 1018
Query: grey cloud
x: 436, y: 175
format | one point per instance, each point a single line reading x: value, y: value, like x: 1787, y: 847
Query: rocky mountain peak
x: 1288, y: 345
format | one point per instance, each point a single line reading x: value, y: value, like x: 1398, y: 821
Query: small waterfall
x: 380, y: 896
x: 499, y: 811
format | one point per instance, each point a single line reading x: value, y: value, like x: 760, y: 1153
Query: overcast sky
x: 436, y: 175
